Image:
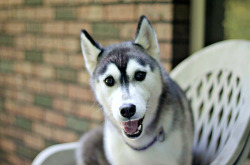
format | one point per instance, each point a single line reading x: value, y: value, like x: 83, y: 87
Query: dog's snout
x: 128, y: 110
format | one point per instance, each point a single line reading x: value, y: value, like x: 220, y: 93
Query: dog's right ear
x: 146, y: 37
x: 90, y: 51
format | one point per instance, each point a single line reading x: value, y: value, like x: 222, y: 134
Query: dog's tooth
x: 139, y: 128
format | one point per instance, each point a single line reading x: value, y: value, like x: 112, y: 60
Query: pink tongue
x: 130, y: 126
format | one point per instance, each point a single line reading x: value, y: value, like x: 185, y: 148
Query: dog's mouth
x: 133, y: 128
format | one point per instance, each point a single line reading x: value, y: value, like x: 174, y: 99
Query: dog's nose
x: 127, y: 110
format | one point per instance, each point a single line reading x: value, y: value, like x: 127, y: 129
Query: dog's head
x: 126, y: 79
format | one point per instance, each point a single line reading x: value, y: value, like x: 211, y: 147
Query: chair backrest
x: 217, y: 83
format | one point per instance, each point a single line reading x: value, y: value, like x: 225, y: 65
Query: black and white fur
x: 158, y: 104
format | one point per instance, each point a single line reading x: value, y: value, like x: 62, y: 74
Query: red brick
x: 66, y: 44
x: 25, y: 41
x: 24, y: 13
x: 4, y: 15
x: 83, y: 77
x: 56, y: 134
x: 64, y: 105
x: 43, y: 71
x: 34, y: 85
x: 19, y: 95
x: 10, y: 94
x: 164, y: 31
x: 49, y: 2
x: 156, y: 11
x: 165, y: 51
x: 27, y: 111
x: 74, y: 28
x: 33, y: 13
x: 24, y: 96
x: 88, y: 111
x: 33, y: 141
x: 128, y: 31
x: 42, y: 129
x: 1, y: 25
x: 80, y: 93
x: 70, y: 44
x: 14, y: 28
x: 56, y: 2
x: 46, y: 43
x: 167, y: 66
x: 55, y: 58
x: 11, y: 3
x: 55, y: 88
x: 16, y: 160
x: 107, y: 1
x: 54, y: 118
x: 76, y: 61
x: 10, y: 106
x: 11, y: 131
x: 33, y: 112
x: 94, y: 13
x: 93, y: 125
x: 120, y: 12
x: 81, y: 1
x: 10, y: 53
x: 44, y: 13
x: 7, y: 119
x: 14, y: 81
x: 54, y: 28
x: 24, y: 68
x: 3, y: 79
x: 7, y: 144
x: 64, y: 136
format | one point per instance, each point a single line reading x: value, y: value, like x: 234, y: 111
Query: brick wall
x: 44, y: 93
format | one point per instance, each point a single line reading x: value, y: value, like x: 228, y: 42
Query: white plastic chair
x: 59, y: 154
x: 217, y: 82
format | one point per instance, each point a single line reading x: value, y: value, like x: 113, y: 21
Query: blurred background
x: 45, y: 97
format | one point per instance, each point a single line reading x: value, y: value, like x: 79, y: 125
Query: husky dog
x: 148, y: 120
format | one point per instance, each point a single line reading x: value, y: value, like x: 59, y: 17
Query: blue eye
x: 109, y: 81
x: 140, y: 76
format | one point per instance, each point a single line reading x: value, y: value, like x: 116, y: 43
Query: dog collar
x: 159, y: 137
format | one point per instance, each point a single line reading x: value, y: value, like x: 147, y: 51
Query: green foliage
x: 34, y: 55
x: 23, y: 123
x: 43, y: 100
x: 77, y: 124
x: 6, y: 40
x: 6, y: 66
x: 66, y: 74
x: 65, y: 13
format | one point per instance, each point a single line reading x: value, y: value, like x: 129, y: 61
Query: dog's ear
x: 90, y: 51
x: 146, y: 37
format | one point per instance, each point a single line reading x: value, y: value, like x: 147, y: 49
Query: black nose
x: 127, y: 110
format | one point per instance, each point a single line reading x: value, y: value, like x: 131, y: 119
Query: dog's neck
x: 160, y: 137
x: 157, y: 136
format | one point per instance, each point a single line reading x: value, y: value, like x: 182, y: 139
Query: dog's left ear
x: 90, y: 50
x: 146, y: 37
